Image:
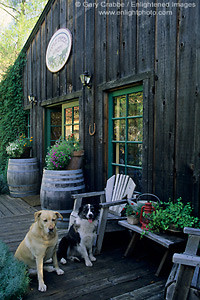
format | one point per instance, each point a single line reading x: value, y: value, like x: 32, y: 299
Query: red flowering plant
x: 131, y: 208
x: 59, y: 155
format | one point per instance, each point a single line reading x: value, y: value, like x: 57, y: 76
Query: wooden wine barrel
x: 23, y: 177
x: 57, y: 188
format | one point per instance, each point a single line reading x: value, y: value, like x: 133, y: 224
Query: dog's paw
x: 49, y: 269
x: 49, y: 261
x: 59, y: 271
x: 42, y: 287
x: 92, y: 258
x: 63, y: 261
x: 88, y: 263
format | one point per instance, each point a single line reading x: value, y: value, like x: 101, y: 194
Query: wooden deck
x: 112, y: 276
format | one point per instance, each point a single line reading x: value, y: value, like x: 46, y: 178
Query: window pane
x: 119, y: 130
x: 56, y: 132
x: 76, y: 131
x: 134, y: 155
x: 76, y: 114
x: 119, y: 170
x: 136, y: 175
x: 120, y: 106
x: 68, y: 115
x: 135, y: 104
x: 56, y: 118
x: 68, y: 131
x: 135, y: 129
x: 119, y: 153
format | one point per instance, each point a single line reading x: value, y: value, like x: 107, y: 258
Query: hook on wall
x: 90, y: 129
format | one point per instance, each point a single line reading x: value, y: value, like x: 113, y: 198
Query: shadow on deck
x: 111, y: 277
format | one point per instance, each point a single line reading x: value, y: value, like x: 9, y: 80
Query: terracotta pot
x: 76, y: 160
x: 133, y: 220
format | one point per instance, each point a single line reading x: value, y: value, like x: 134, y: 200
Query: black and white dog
x: 80, y: 238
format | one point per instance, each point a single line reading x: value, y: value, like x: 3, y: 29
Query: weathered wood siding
x: 161, y: 50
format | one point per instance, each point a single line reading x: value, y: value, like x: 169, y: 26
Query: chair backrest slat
x: 114, y: 195
x: 109, y: 188
x: 118, y: 186
x: 130, y: 187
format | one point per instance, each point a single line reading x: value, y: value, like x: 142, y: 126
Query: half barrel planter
x: 57, y: 188
x: 23, y: 177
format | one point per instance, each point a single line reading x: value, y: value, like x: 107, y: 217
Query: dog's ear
x: 37, y: 214
x: 58, y: 215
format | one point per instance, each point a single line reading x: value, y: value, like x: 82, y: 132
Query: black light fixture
x: 85, y: 79
x: 32, y: 99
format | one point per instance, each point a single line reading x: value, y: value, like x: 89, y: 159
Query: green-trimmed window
x: 70, y: 116
x: 126, y: 133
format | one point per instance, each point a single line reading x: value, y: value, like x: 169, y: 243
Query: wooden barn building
x: 140, y: 114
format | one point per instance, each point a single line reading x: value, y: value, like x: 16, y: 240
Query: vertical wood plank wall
x: 115, y: 48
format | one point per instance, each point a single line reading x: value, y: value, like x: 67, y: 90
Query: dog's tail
x: 62, y: 248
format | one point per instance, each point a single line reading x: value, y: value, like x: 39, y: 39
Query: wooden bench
x: 170, y: 242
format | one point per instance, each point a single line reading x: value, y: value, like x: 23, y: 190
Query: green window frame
x: 70, y: 124
x: 125, y: 133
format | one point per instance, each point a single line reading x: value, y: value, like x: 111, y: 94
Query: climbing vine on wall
x: 12, y: 115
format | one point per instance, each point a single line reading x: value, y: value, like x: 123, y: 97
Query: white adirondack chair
x: 118, y: 188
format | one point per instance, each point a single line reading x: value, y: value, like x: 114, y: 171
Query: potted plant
x: 173, y: 216
x: 20, y: 148
x: 132, y: 211
x: 62, y: 176
x: 60, y: 155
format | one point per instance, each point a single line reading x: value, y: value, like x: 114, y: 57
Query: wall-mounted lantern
x: 32, y: 99
x: 85, y: 79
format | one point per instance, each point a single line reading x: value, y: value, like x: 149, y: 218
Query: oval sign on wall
x: 58, y: 50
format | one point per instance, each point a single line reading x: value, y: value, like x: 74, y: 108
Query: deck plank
x: 13, y: 206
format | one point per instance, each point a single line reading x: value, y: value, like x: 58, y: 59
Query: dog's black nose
x: 50, y: 229
x: 90, y: 216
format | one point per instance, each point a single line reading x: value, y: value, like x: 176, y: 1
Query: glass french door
x: 125, y: 136
x: 53, y: 125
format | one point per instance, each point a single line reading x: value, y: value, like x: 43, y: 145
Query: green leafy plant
x: 14, y: 279
x: 17, y: 148
x: 13, y: 119
x: 174, y: 213
x: 59, y: 155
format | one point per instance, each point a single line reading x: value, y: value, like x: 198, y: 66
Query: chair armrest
x: 188, y: 260
x: 193, y: 231
x: 84, y: 195
x: 113, y: 203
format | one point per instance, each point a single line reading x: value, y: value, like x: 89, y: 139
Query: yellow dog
x: 39, y: 245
